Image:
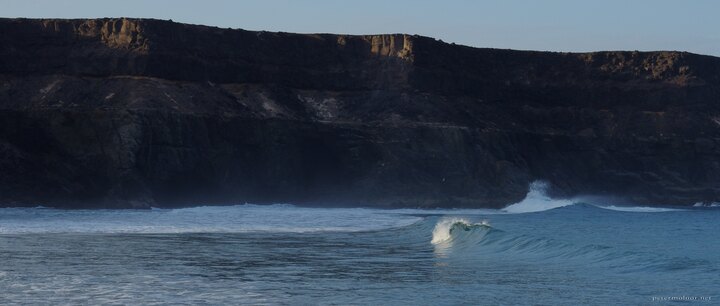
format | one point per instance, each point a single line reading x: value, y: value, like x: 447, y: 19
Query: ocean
x: 540, y: 251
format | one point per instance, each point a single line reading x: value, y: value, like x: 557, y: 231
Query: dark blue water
x: 280, y: 254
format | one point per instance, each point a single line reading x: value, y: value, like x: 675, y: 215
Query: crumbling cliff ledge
x: 133, y: 113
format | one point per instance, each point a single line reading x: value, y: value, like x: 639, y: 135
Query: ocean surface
x: 540, y: 251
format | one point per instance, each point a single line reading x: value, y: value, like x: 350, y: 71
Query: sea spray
x: 537, y: 200
x: 443, y: 231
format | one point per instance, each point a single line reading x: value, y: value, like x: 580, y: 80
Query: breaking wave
x: 460, y: 238
x: 538, y: 200
x: 276, y: 218
x: 449, y: 228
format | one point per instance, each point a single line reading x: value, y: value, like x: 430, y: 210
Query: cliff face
x: 139, y: 113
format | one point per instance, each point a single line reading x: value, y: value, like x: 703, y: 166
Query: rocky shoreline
x: 134, y: 113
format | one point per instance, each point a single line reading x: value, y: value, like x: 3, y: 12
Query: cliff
x: 140, y: 113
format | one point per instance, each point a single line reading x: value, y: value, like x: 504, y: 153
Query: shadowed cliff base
x: 133, y: 113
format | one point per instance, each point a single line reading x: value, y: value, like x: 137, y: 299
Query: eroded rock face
x: 139, y: 113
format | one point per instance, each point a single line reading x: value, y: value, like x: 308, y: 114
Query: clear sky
x: 557, y: 25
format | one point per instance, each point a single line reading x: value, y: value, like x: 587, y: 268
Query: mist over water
x: 538, y: 251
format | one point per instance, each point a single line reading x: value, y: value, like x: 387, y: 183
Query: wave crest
x: 639, y: 208
x: 537, y: 200
x: 446, y: 229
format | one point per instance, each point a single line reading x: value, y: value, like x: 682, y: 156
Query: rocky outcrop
x: 140, y: 113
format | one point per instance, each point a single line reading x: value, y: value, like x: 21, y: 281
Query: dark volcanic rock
x: 134, y: 113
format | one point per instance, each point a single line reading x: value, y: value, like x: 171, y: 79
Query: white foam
x: 224, y: 219
x: 537, y: 200
x: 704, y: 204
x: 639, y: 208
x: 442, y: 231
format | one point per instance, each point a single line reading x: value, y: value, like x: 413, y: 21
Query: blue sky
x: 556, y: 25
